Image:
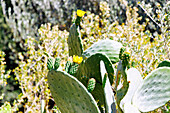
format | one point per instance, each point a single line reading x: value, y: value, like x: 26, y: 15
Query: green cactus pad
x: 57, y: 63
x: 50, y: 63
x: 165, y: 63
x: 110, y: 47
x: 70, y: 95
x: 109, y: 95
x: 91, y: 69
x: 135, y: 79
x: 154, y: 92
x: 91, y: 84
x: 74, y: 41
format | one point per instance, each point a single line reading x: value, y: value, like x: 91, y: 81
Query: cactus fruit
x: 125, y: 59
x: 50, y: 63
x: 91, y: 84
x: 165, y: 63
x: 74, y: 41
x: 67, y: 66
x: 91, y: 69
x: 70, y: 95
x: 73, y: 68
x: 109, y: 47
x: 57, y: 63
x: 154, y: 91
x: 122, y: 50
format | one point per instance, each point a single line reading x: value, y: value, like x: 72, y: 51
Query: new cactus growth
x: 73, y: 68
x: 50, y: 63
x: 57, y: 63
x: 68, y: 66
x: 70, y: 95
x: 91, y: 84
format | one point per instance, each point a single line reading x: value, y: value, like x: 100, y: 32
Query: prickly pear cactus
x: 109, y: 95
x: 121, y: 92
x: 74, y: 41
x: 70, y: 95
x: 50, y: 63
x: 73, y: 68
x: 109, y: 47
x: 91, y: 84
x: 135, y: 79
x: 91, y: 69
x: 57, y: 63
x: 165, y: 63
x: 68, y: 66
x: 154, y: 92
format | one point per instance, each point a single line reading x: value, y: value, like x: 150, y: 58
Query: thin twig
x: 149, y: 16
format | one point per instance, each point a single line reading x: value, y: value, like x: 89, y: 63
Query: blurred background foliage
x: 26, y: 37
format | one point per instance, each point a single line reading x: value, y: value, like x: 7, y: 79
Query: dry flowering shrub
x: 32, y: 70
x: 3, y: 75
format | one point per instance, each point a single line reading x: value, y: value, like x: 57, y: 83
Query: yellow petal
x: 75, y: 58
x: 80, y: 59
x: 80, y: 13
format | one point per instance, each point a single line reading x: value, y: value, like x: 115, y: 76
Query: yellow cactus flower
x: 80, y: 13
x: 80, y: 60
x: 77, y: 59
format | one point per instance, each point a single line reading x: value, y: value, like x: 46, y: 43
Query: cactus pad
x: 165, y: 63
x: 135, y: 79
x: 91, y: 69
x: 154, y: 92
x: 109, y: 95
x: 74, y: 41
x: 50, y: 63
x: 110, y: 47
x: 69, y: 94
